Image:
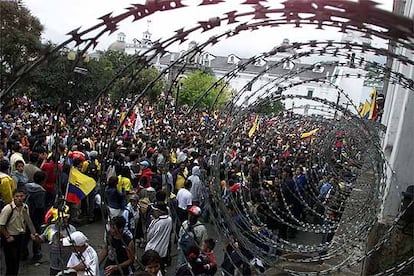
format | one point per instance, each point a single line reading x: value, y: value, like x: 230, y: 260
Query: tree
x: 20, y: 40
x: 134, y: 79
x: 60, y: 80
x: 147, y: 76
x: 196, y: 84
x: 270, y: 107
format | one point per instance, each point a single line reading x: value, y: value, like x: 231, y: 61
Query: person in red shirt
x: 208, y: 254
x: 49, y: 167
x: 146, y: 174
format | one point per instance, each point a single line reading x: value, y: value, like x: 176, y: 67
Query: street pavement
x: 95, y: 234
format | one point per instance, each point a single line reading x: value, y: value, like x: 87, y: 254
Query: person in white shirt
x: 185, y: 200
x: 84, y: 259
x: 159, y: 232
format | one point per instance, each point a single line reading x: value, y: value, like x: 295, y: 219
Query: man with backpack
x: 192, y: 233
x: 92, y: 167
x: 131, y: 214
x: 14, y: 218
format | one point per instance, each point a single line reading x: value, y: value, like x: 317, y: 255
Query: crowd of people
x: 160, y: 180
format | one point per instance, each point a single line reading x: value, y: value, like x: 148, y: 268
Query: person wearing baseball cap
x: 84, y: 258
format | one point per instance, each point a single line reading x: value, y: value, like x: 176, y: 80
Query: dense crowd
x: 155, y: 185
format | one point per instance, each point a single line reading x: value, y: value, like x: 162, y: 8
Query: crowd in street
x: 155, y: 187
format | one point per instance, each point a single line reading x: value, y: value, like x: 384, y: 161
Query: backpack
x: 129, y: 218
x: 2, y: 237
x: 188, y: 241
x: 92, y: 169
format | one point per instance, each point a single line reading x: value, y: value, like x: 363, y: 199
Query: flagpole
x: 67, y: 185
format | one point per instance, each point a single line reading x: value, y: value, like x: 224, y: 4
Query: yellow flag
x: 122, y: 117
x: 309, y: 134
x: 254, y: 127
x: 372, y: 106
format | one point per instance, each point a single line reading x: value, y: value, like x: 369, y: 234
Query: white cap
x: 77, y: 238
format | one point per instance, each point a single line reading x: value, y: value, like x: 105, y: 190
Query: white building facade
x: 350, y: 80
x: 398, y: 145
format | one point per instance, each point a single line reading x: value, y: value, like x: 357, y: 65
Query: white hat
x: 77, y: 238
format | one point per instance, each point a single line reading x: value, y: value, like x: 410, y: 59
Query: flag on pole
x: 254, y: 127
x: 369, y: 109
x: 122, y: 117
x: 365, y: 110
x: 373, y: 105
x: 138, y: 122
x: 79, y: 186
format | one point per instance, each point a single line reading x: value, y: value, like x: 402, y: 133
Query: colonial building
x: 289, y: 76
x: 136, y: 46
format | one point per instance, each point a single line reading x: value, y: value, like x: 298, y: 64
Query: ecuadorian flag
x: 79, y: 186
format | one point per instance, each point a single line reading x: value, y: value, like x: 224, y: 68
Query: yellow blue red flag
x: 365, y: 110
x: 254, y: 127
x: 79, y: 186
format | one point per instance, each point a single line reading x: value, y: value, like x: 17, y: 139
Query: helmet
x: 195, y: 210
x: 53, y: 214
x: 144, y: 163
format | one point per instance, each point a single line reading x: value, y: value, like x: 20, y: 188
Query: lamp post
x: 73, y: 56
x: 178, y: 87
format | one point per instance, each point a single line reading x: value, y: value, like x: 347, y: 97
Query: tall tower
x: 146, y: 36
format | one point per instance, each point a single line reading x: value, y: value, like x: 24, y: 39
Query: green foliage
x: 196, y: 84
x: 270, y: 107
x: 49, y: 81
x: 147, y: 76
x: 20, y: 40
x: 56, y: 81
x: 134, y: 79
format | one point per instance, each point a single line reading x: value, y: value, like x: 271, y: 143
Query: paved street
x: 95, y: 233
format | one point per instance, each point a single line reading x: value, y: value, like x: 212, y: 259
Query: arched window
x: 318, y: 68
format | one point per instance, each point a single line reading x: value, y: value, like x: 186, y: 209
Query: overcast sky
x: 61, y: 16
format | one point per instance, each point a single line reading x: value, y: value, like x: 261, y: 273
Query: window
x: 318, y: 68
x: 288, y: 65
x: 335, y: 75
x: 310, y: 93
x: 259, y: 62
